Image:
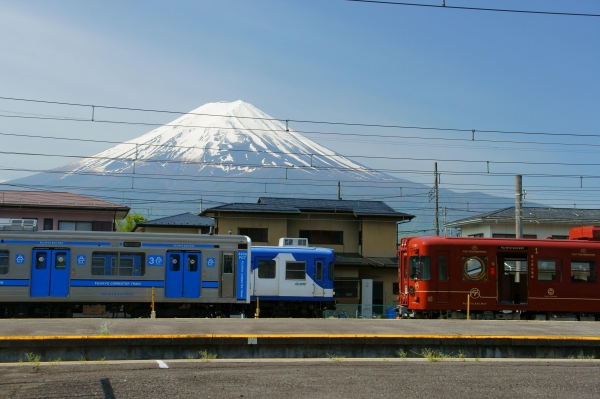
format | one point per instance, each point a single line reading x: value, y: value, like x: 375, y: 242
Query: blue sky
x: 328, y: 60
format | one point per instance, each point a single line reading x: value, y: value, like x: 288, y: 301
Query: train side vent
x: 293, y: 242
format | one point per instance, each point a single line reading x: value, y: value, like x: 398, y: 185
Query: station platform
x: 132, y: 339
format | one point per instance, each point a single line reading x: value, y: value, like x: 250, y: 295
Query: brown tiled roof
x: 53, y: 199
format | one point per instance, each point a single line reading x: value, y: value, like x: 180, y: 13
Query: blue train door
x: 50, y: 273
x: 183, y: 275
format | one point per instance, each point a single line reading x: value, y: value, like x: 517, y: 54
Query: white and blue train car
x: 292, y: 281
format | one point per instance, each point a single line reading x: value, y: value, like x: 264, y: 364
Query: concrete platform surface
x: 348, y: 327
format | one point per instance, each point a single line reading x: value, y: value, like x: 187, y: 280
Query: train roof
x: 268, y: 249
x: 54, y: 235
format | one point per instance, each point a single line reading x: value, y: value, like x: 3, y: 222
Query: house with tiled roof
x: 184, y: 223
x: 362, y: 233
x: 538, y: 222
x: 61, y: 210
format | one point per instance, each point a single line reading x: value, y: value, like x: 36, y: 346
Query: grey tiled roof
x: 355, y: 259
x: 182, y: 220
x: 296, y: 205
x: 538, y: 214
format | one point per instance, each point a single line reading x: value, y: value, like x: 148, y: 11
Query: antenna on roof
x: 339, y: 190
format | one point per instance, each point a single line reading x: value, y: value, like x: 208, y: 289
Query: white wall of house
x: 540, y: 230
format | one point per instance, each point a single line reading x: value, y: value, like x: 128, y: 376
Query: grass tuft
x: 335, y: 357
x: 33, y: 359
x: 206, y: 356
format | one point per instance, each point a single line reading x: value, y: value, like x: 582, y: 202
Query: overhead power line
x: 505, y: 10
x: 370, y: 125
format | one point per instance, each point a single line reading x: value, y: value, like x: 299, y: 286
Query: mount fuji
x: 226, y: 152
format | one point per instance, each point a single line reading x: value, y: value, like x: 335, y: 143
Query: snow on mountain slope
x: 231, y: 136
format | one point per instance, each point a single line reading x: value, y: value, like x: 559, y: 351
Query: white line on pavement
x: 162, y: 364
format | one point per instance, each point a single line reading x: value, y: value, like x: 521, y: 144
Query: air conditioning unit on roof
x: 293, y: 242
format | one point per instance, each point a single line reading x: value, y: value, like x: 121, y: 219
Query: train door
x: 50, y: 273
x: 317, y: 277
x: 512, y: 279
x: 227, y: 275
x: 182, y: 278
x: 443, y: 280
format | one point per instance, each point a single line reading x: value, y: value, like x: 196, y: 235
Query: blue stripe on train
x: 47, y: 242
x: 14, y: 283
x: 152, y: 245
x: 117, y: 283
x: 211, y: 284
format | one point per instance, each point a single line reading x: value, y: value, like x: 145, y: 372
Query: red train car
x: 501, y: 278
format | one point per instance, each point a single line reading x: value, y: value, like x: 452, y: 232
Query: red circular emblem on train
x: 475, y: 293
x: 583, y: 250
x: 550, y: 291
x: 474, y: 247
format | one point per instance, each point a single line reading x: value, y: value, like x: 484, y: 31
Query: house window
x: 478, y: 235
x: 75, y: 226
x: 102, y: 226
x: 48, y: 224
x: 345, y: 289
x: 255, y: 234
x: 395, y: 289
x: 323, y: 237
x: 81, y: 226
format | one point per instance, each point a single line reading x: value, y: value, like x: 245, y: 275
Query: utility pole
x: 339, y: 190
x: 519, y: 206
x: 445, y: 230
x: 435, y: 194
x: 519, y: 220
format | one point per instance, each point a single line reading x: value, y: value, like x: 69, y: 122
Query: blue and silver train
x: 61, y: 274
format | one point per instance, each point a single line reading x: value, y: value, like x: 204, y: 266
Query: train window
x: 319, y: 271
x: 442, y: 273
x: 420, y: 268
x: 40, y: 262
x: 227, y: 263
x: 295, y: 270
x: 98, y: 265
x: 118, y: 264
x: 330, y: 271
x: 192, y: 263
x: 60, y: 261
x: 3, y: 262
x: 583, y: 271
x: 174, y: 262
x: 266, y: 269
x: 549, y: 270
x: 405, y: 267
x: 474, y: 268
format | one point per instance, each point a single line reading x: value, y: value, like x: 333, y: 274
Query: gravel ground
x: 341, y: 378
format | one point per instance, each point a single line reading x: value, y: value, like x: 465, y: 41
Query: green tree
x: 130, y: 221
